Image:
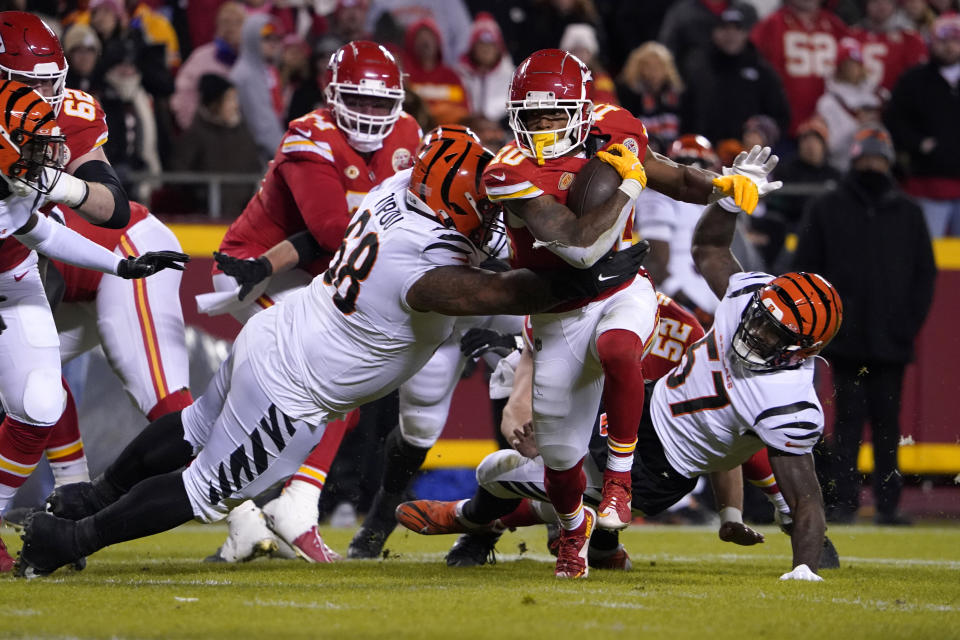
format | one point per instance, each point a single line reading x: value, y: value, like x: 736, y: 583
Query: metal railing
x: 215, y: 182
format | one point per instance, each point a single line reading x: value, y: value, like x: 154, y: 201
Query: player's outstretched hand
x: 626, y: 163
x: 247, y: 273
x: 612, y: 270
x: 739, y: 533
x: 802, y: 572
x: 150, y: 263
x: 477, y: 342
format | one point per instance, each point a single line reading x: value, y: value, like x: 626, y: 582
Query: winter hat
x: 212, y: 88
x: 872, y: 140
x: 81, y: 35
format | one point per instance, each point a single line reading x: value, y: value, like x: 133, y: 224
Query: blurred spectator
x: 491, y: 133
x: 849, y: 102
x: 436, y: 83
x: 728, y: 81
x: 808, y: 166
x: 919, y: 15
x: 486, y: 69
x: 309, y: 94
x: 294, y: 67
x: 82, y: 48
x: 217, y: 56
x: 941, y: 7
x: 728, y: 149
x: 627, y: 24
x: 889, y: 47
x: 923, y: 118
x: 761, y: 130
x: 688, y: 25
x: 415, y: 106
x: 348, y: 21
x: 201, y: 18
x: 848, y: 236
x: 257, y: 82
x: 580, y: 39
x: 548, y: 19
x: 650, y: 88
x: 450, y: 17
x: 800, y: 41
x: 511, y: 16
x: 218, y: 142
x: 156, y: 30
x: 122, y: 43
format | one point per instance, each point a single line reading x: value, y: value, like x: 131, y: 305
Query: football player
x: 747, y: 384
x: 594, y: 345
x: 32, y: 393
x: 374, y: 318
x: 326, y: 163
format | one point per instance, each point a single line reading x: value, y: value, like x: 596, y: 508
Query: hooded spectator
x: 850, y: 102
x: 308, y: 95
x: 436, y: 83
x: 257, y: 83
x: 218, y: 142
x: 650, y: 88
x: 82, y: 48
x: 450, y: 18
x: 580, y: 39
x: 486, y: 69
x: 217, y: 57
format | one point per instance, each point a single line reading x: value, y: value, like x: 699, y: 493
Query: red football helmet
x: 696, y: 150
x: 446, y: 178
x: 31, y: 53
x: 362, y: 76
x: 30, y: 139
x: 788, y: 320
x: 551, y: 79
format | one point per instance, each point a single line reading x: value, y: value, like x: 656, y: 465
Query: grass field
x: 893, y: 583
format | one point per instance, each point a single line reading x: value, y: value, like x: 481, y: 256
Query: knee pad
x: 422, y: 426
x: 43, y: 398
x: 496, y: 465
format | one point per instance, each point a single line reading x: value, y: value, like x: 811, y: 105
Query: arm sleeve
x: 791, y: 428
x: 326, y: 215
x: 66, y: 245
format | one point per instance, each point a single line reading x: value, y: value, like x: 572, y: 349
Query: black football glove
x: 477, y: 342
x: 247, y: 273
x: 150, y: 263
x: 612, y: 270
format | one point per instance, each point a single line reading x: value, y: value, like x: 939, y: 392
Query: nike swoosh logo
x: 21, y: 276
x: 605, y: 278
x: 500, y: 177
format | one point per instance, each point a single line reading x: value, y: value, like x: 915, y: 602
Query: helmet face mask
x: 31, y: 140
x: 764, y: 344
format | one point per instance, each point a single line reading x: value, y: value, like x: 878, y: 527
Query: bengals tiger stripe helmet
x: 788, y: 320
x: 447, y: 179
x: 447, y: 131
x: 29, y: 136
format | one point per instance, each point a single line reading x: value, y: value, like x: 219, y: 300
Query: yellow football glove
x: 626, y: 163
x: 742, y: 189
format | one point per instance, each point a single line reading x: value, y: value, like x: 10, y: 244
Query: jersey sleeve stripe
x: 448, y: 247
x: 102, y: 140
x: 806, y: 436
x: 453, y: 237
x: 523, y: 190
x: 785, y: 409
x: 750, y: 288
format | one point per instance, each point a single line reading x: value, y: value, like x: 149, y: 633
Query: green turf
x: 893, y: 583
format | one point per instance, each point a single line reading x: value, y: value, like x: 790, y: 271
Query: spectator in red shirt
x: 437, y: 84
x: 800, y: 41
x: 888, y: 49
x: 486, y: 69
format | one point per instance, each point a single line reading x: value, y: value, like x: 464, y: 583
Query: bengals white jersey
x: 711, y: 413
x: 349, y: 337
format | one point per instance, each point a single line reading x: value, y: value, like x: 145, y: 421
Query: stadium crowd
x: 859, y: 96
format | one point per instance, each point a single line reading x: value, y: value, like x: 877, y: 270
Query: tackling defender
x: 355, y: 334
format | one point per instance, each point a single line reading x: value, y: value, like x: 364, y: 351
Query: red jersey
x: 81, y: 284
x: 513, y: 176
x: 803, y: 52
x: 678, y: 329
x: 316, y: 181
x: 888, y: 54
x: 84, y: 124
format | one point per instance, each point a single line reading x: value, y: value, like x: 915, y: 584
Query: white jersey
x: 349, y: 337
x: 15, y: 211
x: 711, y: 413
x: 659, y: 217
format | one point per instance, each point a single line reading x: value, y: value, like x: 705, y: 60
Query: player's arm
x: 467, y: 291
x: 91, y: 187
x: 798, y: 482
x: 319, y: 194
x: 517, y: 423
x: 728, y: 493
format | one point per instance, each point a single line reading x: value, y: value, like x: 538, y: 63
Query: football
x: 593, y: 185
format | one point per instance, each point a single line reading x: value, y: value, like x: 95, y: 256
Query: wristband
x: 631, y: 188
x: 727, y: 204
x: 731, y: 514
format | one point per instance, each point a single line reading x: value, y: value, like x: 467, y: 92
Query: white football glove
x: 802, y: 572
x: 756, y: 164
x: 67, y: 189
x: 18, y: 187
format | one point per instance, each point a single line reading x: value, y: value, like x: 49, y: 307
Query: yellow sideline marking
x: 947, y: 253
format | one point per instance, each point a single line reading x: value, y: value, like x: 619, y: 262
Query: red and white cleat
x: 297, y: 527
x: 614, y: 512
x: 572, y: 553
x: 311, y: 547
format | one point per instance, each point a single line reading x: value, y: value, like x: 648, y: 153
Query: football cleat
x: 292, y: 526
x: 473, y: 550
x: 614, y: 512
x: 617, y: 559
x: 376, y: 528
x: 248, y: 536
x: 432, y: 517
x: 49, y: 543
x: 311, y: 547
x: 829, y: 558
x: 75, y: 501
x: 574, y: 545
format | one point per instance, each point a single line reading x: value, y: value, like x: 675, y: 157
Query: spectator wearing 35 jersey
x: 326, y: 163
